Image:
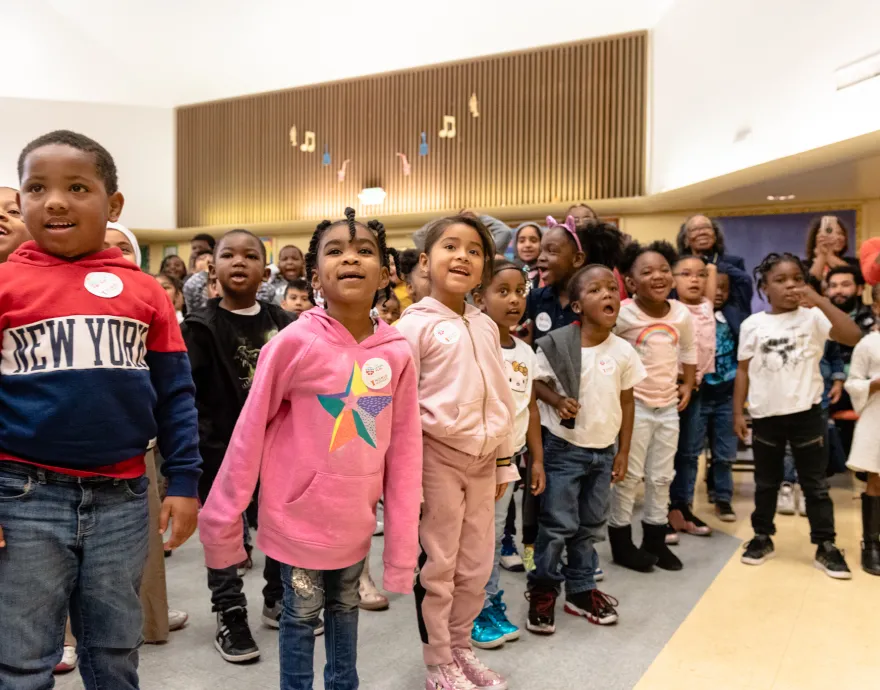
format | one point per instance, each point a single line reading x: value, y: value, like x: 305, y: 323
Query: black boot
x: 655, y: 543
x: 627, y: 554
x: 871, y: 534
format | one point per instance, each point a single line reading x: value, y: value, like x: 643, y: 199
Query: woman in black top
x: 827, y: 243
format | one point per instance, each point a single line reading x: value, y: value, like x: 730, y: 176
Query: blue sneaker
x: 510, y: 559
x: 598, y: 573
x: 485, y: 633
x: 499, y: 618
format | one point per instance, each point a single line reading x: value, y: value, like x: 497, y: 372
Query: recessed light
x: 781, y: 197
x: 372, y: 196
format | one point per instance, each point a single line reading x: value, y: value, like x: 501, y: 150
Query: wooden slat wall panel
x: 558, y: 124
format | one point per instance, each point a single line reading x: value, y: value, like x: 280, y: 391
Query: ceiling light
x: 372, y: 196
x: 781, y: 197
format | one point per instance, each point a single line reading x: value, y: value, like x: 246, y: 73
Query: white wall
x: 141, y: 141
x: 723, y: 65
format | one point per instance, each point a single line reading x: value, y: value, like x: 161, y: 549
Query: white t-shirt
x: 606, y: 370
x: 785, y: 350
x: 520, y: 364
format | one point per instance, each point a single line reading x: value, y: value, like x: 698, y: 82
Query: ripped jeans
x: 306, y: 592
x: 806, y: 432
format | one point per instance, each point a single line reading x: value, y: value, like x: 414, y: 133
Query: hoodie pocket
x: 469, y: 421
x: 335, y: 510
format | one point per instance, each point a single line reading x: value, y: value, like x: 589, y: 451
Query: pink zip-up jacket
x: 329, y: 426
x: 464, y: 394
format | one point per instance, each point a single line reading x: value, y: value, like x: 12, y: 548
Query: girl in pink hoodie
x: 467, y: 417
x: 331, y: 423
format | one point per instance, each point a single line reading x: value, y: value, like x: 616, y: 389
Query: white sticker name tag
x: 74, y: 342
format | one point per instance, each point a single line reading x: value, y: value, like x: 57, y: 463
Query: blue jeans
x: 715, y: 418
x: 70, y: 543
x: 691, y: 438
x: 574, y: 509
x: 306, y: 592
x: 501, y: 507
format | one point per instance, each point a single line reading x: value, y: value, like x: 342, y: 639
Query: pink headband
x: 569, y: 226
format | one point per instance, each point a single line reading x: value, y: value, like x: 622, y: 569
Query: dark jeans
x: 306, y: 592
x: 716, y: 421
x: 78, y: 544
x: 574, y: 510
x: 691, y: 439
x: 806, y: 432
x: 529, y: 504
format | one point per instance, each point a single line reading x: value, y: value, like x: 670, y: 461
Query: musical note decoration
x: 341, y: 174
x: 293, y: 136
x: 423, y: 146
x: 474, y: 105
x: 407, y: 168
x: 448, y: 131
x: 325, y: 159
x: 308, y: 145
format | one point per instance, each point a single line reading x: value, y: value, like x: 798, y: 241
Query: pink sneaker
x: 476, y: 671
x: 447, y: 677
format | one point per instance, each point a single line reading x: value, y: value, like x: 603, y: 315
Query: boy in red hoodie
x: 89, y: 345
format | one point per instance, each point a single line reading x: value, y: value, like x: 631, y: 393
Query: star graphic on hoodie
x: 355, y: 410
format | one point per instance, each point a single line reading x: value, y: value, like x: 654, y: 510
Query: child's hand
x: 539, y: 479
x: 808, y: 296
x: 684, y: 396
x: 567, y: 408
x: 499, y: 491
x: 618, y: 469
x: 184, y: 512
x: 2, y: 540
x: 835, y: 392
x: 740, y: 427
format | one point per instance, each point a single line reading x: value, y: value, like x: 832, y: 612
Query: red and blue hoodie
x: 92, y: 368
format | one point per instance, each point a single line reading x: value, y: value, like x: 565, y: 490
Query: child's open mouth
x: 351, y: 276
x: 56, y: 227
x: 608, y: 309
x: 460, y: 272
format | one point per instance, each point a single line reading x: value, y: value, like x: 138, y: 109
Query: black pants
x: 529, y: 504
x: 805, y: 431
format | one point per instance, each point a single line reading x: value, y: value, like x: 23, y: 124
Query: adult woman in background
x: 827, y: 244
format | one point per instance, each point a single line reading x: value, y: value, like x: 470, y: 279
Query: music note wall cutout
x: 325, y: 159
x: 474, y: 105
x: 423, y: 146
x: 293, y: 136
x: 341, y: 174
x: 308, y: 144
x: 407, y: 168
x: 448, y: 131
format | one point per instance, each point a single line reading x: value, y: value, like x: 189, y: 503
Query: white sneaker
x: 69, y: 660
x: 380, y: 529
x: 801, y: 502
x: 785, y: 500
x: 176, y: 619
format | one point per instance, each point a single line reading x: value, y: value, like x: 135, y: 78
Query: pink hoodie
x: 464, y: 393
x: 328, y: 427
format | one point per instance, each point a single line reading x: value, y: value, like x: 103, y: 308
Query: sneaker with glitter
x: 476, y: 671
x: 447, y: 677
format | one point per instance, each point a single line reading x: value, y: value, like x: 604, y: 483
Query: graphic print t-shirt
x: 243, y: 335
x: 784, y: 350
x: 519, y: 365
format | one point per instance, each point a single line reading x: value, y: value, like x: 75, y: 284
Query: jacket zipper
x: 483, y: 377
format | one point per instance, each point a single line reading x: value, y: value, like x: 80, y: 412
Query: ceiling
x: 172, y: 52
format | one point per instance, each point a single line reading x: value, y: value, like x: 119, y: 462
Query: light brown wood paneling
x: 557, y: 124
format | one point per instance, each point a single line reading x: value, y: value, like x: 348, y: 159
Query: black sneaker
x: 725, y: 512
x: 542, y: 610
x: 597, y: 607
x: 758, y: 550
x: 830, y: 560
x: 234, y: 640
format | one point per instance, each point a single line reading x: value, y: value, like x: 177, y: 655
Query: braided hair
x: 373, y: 226
x: 771, y: 261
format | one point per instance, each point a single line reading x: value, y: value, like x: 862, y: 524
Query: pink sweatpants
x: 457, y: 534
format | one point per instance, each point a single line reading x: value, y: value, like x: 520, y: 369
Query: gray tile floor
x: 652, y: 606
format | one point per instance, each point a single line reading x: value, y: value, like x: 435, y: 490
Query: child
x: 504, y: 301
x: 13, y: 231
x: 716, y: 404
x: 195, y: 294
x: 291, y: 263
x: 779, y: 353
x: 527, y: 245
x: 586, y: 374
x: 224, y: 341
x: 331, y: 424
x: 174, y: 289
x: 296, y: 299
x: 398, y: 283
x: 414, y: 276
x: 662, y: 332
x: 863, y: 386
x: 467, y: 418
x: 389, y: 309
x: 172, y: 265
x: 66, y: 306
x: 123, y: 239
x: 695, y: 285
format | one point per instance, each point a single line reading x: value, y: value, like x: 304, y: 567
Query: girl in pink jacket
x: 331, y: 423
x: 467, y: 417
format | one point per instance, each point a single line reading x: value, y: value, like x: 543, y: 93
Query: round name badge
x: 607, y: 365
x: 376, y: 373
x: 543, y: 321
x: 107, y: 285
x: 447, y: 333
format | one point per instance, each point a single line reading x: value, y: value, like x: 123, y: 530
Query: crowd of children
x: 296, y: 399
